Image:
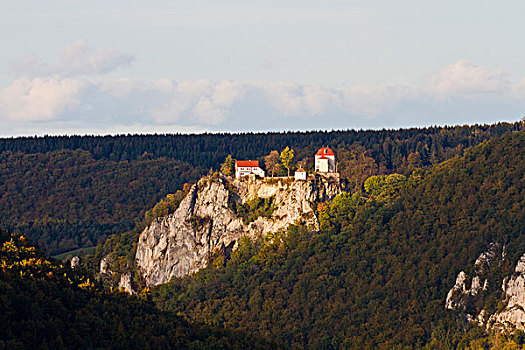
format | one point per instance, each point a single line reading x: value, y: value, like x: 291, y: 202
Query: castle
x: 325, y: 161
x: 324, y: 164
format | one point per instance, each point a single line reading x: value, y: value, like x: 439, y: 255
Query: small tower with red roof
x: 325, y: 161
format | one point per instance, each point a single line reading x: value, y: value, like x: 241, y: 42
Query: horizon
x: 445, y: 126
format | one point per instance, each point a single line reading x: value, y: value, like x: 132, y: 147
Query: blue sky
x: 105, y: 67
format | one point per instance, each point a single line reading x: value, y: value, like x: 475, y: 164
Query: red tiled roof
x: 300, y: 170
x: 322, y: 157
x: 247, y: 163
x: 321, y: 152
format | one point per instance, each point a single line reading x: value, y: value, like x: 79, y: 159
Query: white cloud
x: 31, y: 65
x: 202, y: 101
x: 310, y: 100
x: 450, y: 96
x: 463, y: 78
x: 38, y: 99
x: 213, y: 109
x: 371, y: 100
x: 67, y: 128
x: 77, y: 59
x: 518, y: 90
x: 293, y: 99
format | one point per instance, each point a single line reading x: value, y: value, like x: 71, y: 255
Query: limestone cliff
x: 459, y: 296
x: 182, y: 242
x: 511, y: 314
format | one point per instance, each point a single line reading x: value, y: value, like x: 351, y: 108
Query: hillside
x: 389, y: 148
x: 75, y: 191
x: 217, y: 212
x: 66, y: 199
x: 377, y: 273
x: 48, y: 306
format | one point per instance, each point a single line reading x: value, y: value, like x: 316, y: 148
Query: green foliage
x: 198, y: 222
x: 70, y: 192
x: 165, y: 207
x: 385, y: 187
x: 76, y: 252
x: 67, y: 199
x: 356, y: 165
x: 119, y: 249
x: 389, y: 148
x: 254, y: 208
x: 47, y: 305
x: 228, y: 167
x: 340, y: 212
x: 287, y: 158
x: 377, y: 274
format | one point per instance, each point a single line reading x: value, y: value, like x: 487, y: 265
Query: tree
x: 385, y: 187
x: 272, y: 162
x: 228, y: 167
x: 356, y: 165
x: 287, y: 158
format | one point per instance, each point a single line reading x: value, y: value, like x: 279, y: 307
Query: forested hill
x: 49, y: 306
x: 378, y: 272
x: 387, y: 147
x: 68, y: 192
x: 66, y: 199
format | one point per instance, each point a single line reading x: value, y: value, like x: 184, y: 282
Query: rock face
x: 182, y: 242
x: 460, y: 294
x: 125, y: 283
x: 75, y: 261
x: 513, y: 315
x: 104, y: 267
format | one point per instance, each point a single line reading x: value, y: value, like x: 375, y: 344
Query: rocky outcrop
x: 182, y: 242
x: 125, y: 283
x: 104, y: 267
x: 457, y: 293
x: 513, y: 315
x: 461, y: 293
x: 75, y: 261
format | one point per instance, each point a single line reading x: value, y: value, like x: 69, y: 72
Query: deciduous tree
x: 228, y: 167
x: 287, y: 158
x: 272, y: 162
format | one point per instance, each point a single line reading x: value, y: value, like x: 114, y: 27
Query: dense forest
x: 422, y: 205
x: 66, y: 199
x: 68, y: 192
x: 389, y: 148
x: 377, y: 273
x: 45, y: 305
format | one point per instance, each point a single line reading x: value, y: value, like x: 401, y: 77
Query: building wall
x: 243, y: 171
x: 300, y: 175
x: 321, y: 165
x: 325, y: 165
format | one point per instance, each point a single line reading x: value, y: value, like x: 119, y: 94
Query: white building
x: 325, y: 161
x: 247, y: 167
x: 300, y: 174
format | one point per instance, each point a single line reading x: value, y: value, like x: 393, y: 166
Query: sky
x: 159, y: 66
